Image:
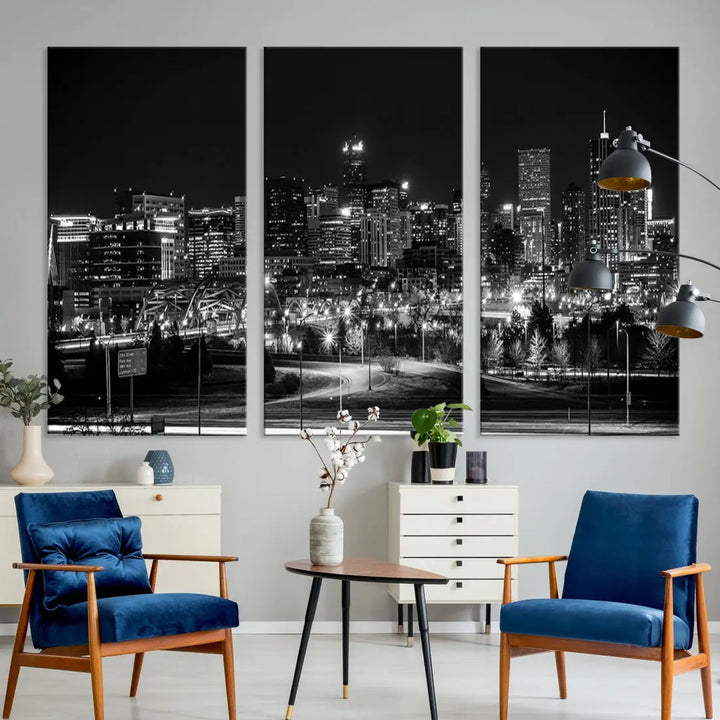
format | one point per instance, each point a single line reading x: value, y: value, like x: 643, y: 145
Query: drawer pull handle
x: 458, y: 563
x: 459, y: 498
x: 458, y: 541
x: 158, y: 497
x: 458, y: 585
x: 458, y: 519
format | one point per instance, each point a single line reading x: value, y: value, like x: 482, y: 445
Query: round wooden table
x: 363, y: 570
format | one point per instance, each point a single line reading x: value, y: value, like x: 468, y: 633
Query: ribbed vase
x: 326, y: 538
x: 32, y: 468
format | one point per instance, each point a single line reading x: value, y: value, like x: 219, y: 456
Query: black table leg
x: 425, y: 641
x: 400, y: 628
x: 309, y: 616
x: 410, y: 636
x: 346, y: 636
x: 487, y: 618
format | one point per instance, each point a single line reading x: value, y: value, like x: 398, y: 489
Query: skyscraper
x: 573, y: 235
x: 534, y: 199
x: 484, y: 205
x: 285, y: 217
x: 211, y: 236
x: 240, y: 206
x: 352, y: 190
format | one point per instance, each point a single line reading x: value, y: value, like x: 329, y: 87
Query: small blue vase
x: 162, y: 466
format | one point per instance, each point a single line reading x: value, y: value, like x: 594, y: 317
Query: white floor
x: 386, y: 681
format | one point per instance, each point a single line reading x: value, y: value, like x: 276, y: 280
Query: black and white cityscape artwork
x: 363, y: 233
x: 146, y: 250
x: 554, y: 360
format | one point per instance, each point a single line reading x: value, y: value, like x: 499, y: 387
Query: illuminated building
x: 211, y: 237
x: 484, y: 204
x: 240, y: 209
x: 374, y: 235
x: 455, y: 223
x: 148, y: 204
x: 383, y: 213
x: 573, y: 231
x: 534, y: 200
x: 429, y: 223
x: 71, y: 236
x: 285, y: 217
x: 329, y: 239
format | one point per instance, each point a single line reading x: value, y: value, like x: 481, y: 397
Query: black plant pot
x: 442, y: 462
x: 420, y: 466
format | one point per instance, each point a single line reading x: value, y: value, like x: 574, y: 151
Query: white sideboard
x: 454, y: 530
x: 177, y: 519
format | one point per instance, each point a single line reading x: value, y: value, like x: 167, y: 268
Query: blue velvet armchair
x: 88, y: 595
x: 630, y: 586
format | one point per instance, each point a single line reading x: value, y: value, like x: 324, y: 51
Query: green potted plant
x: 26, y: 398
x: 434, y: 426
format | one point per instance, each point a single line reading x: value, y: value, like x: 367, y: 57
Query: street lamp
x: 328, y: 342
x: 424, y: 326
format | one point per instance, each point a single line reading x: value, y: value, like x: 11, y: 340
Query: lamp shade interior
x: 681, y: 319
x: 625, y: 169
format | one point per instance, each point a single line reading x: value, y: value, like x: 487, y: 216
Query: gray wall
x: 270, y: 483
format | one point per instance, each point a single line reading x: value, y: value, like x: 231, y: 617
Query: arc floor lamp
x: 627, y: 169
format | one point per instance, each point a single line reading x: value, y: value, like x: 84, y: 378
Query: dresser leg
x: 410, y: 638
x: 487, y: 618
x: 400, y: 623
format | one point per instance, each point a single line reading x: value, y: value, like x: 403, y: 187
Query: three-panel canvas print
x: 362, y: 239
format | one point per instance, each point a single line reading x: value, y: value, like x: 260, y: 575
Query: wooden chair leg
x: 96, y: 672
x: 229, y: 665
x: 667, y: 653
x: 19, y: 646
x: 560, y: 667
x: 504, y: 674
x: 704, y: 644
x: 137, y: 668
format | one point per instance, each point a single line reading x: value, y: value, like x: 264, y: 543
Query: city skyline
x: 573, y: 88
x: 400, y: 101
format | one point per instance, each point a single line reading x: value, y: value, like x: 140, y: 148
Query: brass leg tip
x: 411, y: 642
x: 288, y: 714
x: 345, y: 692
x: 487, y: 628
x: 400, y: 630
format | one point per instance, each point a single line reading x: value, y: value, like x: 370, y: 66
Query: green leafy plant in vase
x: 436, y: 427
x: 26, y: 398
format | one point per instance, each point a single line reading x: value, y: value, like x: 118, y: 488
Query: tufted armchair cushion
x: 113, y: 543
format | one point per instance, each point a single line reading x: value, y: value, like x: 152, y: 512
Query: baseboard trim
x: 361, y: 627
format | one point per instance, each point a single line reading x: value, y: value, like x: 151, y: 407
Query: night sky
x: 554, y: 97
x: 404, y: 103
x: 154, y: 119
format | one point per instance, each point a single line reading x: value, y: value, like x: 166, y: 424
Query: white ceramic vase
x: 145, y: 474
x: 326, y: 538
x: 32, y: 468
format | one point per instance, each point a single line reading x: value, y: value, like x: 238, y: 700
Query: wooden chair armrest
x: 59, y: 568
x: 527, y: 560
x: 197, y: 558
x: 693, y: 569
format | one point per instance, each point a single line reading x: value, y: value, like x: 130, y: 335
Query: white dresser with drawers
x: 177, y: 519
x: 454, y: 530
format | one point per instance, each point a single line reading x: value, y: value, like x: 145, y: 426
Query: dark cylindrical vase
x: 442, y: 462
x: 420, y: 466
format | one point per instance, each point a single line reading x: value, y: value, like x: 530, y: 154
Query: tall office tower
x: 405, y: 229
x: 321, y: 201
x: 658, y: 228
x: 240, y: 207
x: 503, y: 215
x: 150, y: 205
x: 384, y: 198
x: 285, y: 217
x: 632, y: 221
x: 534, y: 199
x: 667, y: 264
x: 352, y: 190
x: 403, y: 195
x: 211, y: 236
x: 329, y: 240
x: 484, y: 205
x: 429, y: 224
x: 71, y: 236
x: 455, y: 224
x: 573, y: 231
x: 374, y: 237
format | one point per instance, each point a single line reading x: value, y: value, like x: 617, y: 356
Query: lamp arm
x: 603, y: 251
x: 679, y: 162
